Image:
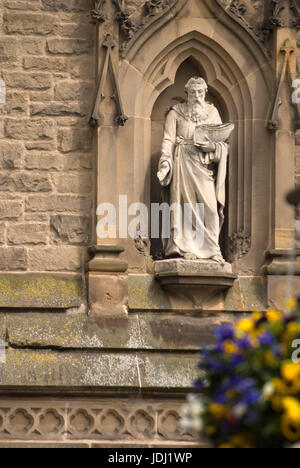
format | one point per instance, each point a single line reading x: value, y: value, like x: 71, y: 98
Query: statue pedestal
x: 196, y: 281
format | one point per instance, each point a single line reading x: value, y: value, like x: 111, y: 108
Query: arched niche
x: 239, y: 76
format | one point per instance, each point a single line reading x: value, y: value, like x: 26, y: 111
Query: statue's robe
x: 194, y: 177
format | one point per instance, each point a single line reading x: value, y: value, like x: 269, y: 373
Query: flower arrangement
x: 250, y: 396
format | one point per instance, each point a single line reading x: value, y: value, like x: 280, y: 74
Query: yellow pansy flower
x: 290, y: 429
x: 245, y: 325
x: 256, y: 316
x: 230, y: 347
x: 218, y: 411
x: 273, y: 315
x: 290, y: 371
x: 291, y: 407
x: 291, y: 303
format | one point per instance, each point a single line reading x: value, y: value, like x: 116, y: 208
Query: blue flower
x: 224, y: 332
x: 267, y: 339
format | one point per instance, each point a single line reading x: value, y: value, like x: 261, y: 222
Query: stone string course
x: 46, y: 183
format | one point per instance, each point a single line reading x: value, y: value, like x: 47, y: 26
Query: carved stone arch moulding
x: 156, y: 13
x: 236, y: 71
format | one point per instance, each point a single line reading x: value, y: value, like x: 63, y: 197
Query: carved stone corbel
x: 96, y: 119
x: 287, y: 50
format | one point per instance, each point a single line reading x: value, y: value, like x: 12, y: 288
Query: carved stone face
x: 196, y: 94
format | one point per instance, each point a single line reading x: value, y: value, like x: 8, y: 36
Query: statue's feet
x: 218, y: 259
x: 190, y: 257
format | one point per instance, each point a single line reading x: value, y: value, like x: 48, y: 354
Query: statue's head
x: 196, y: 89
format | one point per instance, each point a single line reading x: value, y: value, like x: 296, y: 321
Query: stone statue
x: 194, y: 172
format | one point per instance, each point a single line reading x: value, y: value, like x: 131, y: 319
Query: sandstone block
x: 16, y: 104
x: 8, y: 50
x: 71, y: 229
x: 10, y: 209
x: 39, y: 146
x: 72, y: 90
x: 28, y: 23
x: 65, y: 5
x: 44, y: 162
x: 31, y: 46
x: 13, y: 258
x: 30, y: 129
x: 20, y: 234
x: 55, y: 259
x: 2, y: 233
x: 25, y: 5
x: 40, y: 290
x: 45, y: 64
x: 11, y: 154
x: 77, y: 161
x: 69, y: 46
x: 22, y: 182
x: 58, y: 203
x: 28, y: 80
x: 74, y: 139
x: 74, y: 183
x: 56, y: 109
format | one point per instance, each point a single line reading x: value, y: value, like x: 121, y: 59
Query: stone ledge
x: 143, y: 331
x: 59, y: 291
x: 51, y: 371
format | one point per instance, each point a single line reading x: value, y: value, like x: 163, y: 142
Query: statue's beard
x: 198, y: 110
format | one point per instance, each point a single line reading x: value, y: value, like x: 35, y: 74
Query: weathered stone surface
x: 74, y: 139
x: 23, y: 182
x: 57, y: 110
x: 72, y: 331
x: 28, y: 24
x: 25, y: 369
x: 71, y: 229
x: 11, y: 155
x: 57, y: 203
x: 2, y: 233
x: 30, y: 129
x: 179, y: 332
x: 45, y: 64
x: 66, y: 5
x: 16, y: 104
x: 44, y: 161
x: 2, y: 327
x: 31, y: 46
x: 22, y: 5
x: 72, y: 90
x: 40, y: 146
x: 108, y: 294
x: 168, y: 371
x: 69, y: 46
x: 74, y: 183
x: 13, y: 258
x: 77, y: 161
x: 20, y: 234
x: 10, y: 209
x: 28, y: 80
x: 55, y: 259
x: 37, y: 291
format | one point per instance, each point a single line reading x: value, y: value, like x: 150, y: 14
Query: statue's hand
x: 163, y: 171
x: 208, y: 147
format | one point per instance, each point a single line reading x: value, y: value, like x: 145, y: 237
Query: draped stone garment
x: 194, y: 177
